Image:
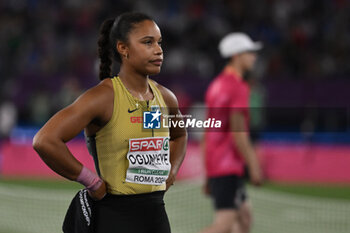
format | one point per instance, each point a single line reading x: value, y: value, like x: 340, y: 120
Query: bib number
x: 149, y: 160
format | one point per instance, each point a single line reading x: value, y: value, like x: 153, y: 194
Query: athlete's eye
x: 148, y: 42
x: 160, y: 43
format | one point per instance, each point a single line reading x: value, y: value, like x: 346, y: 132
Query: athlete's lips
x: 157, y: 62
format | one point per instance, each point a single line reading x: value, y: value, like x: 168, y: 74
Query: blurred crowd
x: 49, y: 48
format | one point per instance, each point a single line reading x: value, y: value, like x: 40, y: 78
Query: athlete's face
x: 144, y: 48
x: 248, y: 60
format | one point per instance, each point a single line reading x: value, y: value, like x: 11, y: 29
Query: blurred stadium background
x: 300, y: 93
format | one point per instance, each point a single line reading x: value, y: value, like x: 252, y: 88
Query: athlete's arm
x: 92, y: 107
x: 178, y: 136
x: 245, y: 147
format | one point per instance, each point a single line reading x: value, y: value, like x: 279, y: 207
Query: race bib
x: 149, y: 160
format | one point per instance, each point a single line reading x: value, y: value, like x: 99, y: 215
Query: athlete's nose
x: 158, y: 50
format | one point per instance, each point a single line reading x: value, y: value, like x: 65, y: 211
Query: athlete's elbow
x: 40, y: 143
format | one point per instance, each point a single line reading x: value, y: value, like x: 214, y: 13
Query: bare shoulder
x: 102, y: 92
x: 104, y: 88
x: 168, y: 96
x: 96, y: 103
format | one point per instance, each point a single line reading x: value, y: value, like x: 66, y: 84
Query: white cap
x: 235, y: 43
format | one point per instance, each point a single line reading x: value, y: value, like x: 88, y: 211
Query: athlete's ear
x: 122, y: 49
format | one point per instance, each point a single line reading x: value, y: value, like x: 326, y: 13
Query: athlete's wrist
x: 89, y: 179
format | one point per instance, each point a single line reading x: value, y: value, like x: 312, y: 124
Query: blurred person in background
x: 8, y: 119
x: 124, y: 198
x: 226, y: 152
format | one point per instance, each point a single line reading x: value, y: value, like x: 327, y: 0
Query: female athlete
x: 136, y: 161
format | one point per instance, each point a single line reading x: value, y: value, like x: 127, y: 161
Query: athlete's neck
x: 235, y: 68
x: 134, y: 81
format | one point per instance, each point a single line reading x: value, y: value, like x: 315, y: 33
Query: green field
x: 38, y: 206
x: 315, y: 190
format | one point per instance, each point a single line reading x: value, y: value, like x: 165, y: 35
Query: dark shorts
x: 228, y: 192
x: 140, y: 213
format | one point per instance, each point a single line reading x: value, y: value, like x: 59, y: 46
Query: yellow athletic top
x: 130, y: 158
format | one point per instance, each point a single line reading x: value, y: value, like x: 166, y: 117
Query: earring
x: 126, y: 56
